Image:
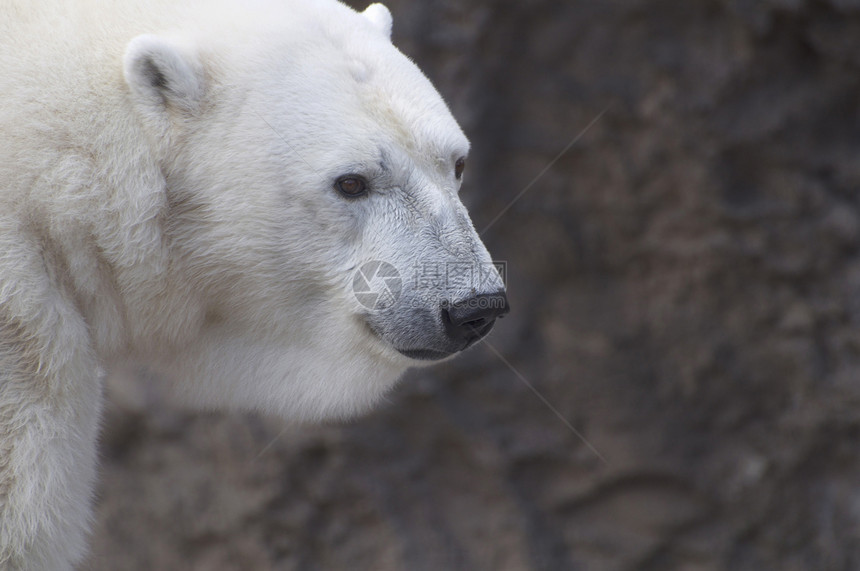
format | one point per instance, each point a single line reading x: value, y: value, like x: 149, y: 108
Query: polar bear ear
x: 380, y: 17
x: 160, y: 73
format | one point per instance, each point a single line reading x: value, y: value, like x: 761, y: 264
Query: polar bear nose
x: 470, y: 319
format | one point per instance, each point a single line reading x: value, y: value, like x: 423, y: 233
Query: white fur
x: 166, y: 198
x: 381, y: 18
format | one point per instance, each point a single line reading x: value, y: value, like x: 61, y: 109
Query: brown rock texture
x: 674, y: 188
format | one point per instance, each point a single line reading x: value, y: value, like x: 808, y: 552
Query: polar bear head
x: 311, y: 174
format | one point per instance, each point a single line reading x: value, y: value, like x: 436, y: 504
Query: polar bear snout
x: 434, y: 334
x: 469, y: 320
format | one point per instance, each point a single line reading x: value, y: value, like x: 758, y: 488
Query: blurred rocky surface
x: 685, y: 289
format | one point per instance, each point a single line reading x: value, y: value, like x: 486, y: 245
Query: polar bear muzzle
x: 464, y: 324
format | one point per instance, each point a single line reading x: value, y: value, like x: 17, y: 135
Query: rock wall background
x: 685, y: 289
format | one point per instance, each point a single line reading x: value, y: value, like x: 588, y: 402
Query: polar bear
x: 256, y: 199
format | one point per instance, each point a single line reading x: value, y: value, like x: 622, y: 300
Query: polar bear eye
x: 351, y: 185
x: 458, y: 168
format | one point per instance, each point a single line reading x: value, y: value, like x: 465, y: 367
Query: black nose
x: 469, y: 319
